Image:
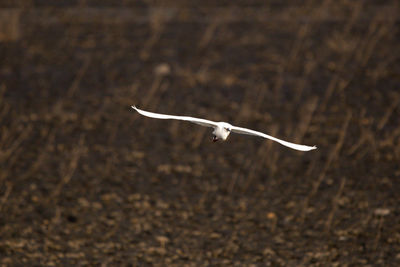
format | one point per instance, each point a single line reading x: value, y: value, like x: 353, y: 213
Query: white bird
x: 222, y: 129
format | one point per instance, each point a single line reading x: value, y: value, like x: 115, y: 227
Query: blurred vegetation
x: 84, y: 180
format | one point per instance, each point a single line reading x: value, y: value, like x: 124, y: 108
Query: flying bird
x: 222, y: 129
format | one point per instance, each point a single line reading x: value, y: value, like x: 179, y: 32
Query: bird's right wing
x: 201, y: 122
x: 241, y: 130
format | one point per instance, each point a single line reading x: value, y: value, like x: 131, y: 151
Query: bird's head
x: 222, y: 131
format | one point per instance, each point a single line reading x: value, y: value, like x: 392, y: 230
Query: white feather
x: 241, y: 130
x: 202, y: 122
x: 223, y: 129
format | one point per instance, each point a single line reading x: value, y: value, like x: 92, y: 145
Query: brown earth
x: 85, y: 180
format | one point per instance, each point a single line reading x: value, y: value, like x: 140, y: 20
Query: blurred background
x: 85, y: 180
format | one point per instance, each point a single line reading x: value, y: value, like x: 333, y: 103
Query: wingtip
x: 309, y: 148
x: 134, y: 107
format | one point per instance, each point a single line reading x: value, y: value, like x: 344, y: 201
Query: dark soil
x: 85, y: 180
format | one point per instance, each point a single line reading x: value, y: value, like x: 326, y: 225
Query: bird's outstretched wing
x: 201, y: 122
x: 241, y: 130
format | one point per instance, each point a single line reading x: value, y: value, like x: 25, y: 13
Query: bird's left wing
x: 241, y: 130
x: 201, y: 122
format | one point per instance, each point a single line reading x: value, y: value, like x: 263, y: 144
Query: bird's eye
x: 228, y: 129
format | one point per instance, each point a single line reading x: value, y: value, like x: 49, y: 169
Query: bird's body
x: 222, y: 129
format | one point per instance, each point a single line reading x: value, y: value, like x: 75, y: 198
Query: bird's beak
x: 215, y: 139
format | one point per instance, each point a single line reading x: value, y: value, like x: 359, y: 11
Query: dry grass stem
x: 332, y: 156
x: 335, y: 202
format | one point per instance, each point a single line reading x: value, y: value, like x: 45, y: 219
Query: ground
x: 85, y: 180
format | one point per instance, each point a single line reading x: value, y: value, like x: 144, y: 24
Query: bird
x: 223, y: 129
